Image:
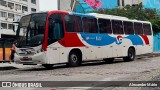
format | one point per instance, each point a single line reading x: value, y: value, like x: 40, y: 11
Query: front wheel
x: 48, y: 66
x: 131, y: 55
x: 74, y: 59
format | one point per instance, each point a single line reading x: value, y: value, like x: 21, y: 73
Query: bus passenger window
x: 147, y: 29
x: 128, y: 27
x: 104, y: 26
x: 73, y: 23
x: 117, y: 27
x: 138, y: 28
x: 90, y: 25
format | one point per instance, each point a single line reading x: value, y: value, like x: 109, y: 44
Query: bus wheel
x: 131, y: 55
x: 74, y: 59
x: 48, y: 66
x: 109, y: 60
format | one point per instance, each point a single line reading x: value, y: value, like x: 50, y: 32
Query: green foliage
x: 155, y: 25
x: 136, y: 12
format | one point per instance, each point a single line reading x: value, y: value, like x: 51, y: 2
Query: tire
x: 48, y: 66
x: 131, y: 55
x: 109, y: 60
x: 74, y: 59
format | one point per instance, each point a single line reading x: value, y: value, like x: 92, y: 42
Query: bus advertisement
x: 56, y: 37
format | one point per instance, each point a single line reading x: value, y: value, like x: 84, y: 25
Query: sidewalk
x: 12, y: 66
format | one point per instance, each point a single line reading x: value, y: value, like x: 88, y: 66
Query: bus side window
x: 55, y: 28
x: 117, y: 27
x: 85, y: 25
x: 147, y: 29
x: 128, y: 27
x: 104, y: 26
x: 73, y: 23
x: 138, y: 28
x: 90, y: 25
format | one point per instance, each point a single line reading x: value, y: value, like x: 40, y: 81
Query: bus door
x: 55, y: 33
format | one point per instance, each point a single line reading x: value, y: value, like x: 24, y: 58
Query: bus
x: 56, y: 37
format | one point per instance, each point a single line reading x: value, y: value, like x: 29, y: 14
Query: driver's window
x: 55, y: 28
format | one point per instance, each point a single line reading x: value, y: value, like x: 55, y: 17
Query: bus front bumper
x: 39, y: 58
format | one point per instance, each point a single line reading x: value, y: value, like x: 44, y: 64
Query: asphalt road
x: 142, y: 69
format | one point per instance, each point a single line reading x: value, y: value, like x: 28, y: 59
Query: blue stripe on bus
x: 104, y: 39
x: 136, y: 40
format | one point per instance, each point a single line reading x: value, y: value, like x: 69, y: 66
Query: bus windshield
x: 31, y: 30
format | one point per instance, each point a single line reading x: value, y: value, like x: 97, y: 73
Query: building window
x: 3, y: 3
x: 17, y: 17
x: 3, y: 14
x: 33, y: 1
x: 33, y: 10
x: 3, y: 25
x: 24, y: 0
x: 10, y: 26
x: 24, y: 8
x: 17, y: 7
x: 10, y: 15
x: 10, y: 5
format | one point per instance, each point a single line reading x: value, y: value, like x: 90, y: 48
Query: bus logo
x: 119, y: 40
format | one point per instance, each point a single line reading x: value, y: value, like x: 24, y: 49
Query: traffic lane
x: 91, y: 71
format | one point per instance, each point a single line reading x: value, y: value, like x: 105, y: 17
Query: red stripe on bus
x: 145, y: 38
x: 71, y: 40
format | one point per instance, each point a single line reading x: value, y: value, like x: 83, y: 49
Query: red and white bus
x: 56, y: 37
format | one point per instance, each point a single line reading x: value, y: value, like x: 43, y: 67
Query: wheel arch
x: 76, y: 50
x: 133, y: 49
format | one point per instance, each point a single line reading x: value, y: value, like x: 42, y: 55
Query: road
x: 142, y: 69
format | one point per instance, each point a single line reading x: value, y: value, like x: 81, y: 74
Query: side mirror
x: 13, y: 28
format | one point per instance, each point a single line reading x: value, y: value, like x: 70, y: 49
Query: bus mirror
x: 13, y: 28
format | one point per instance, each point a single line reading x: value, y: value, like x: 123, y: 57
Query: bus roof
x: 96, y: 15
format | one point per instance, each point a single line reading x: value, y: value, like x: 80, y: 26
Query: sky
x: 46, y: 5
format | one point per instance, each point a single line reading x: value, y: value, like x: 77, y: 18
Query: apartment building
x: 11, y: 11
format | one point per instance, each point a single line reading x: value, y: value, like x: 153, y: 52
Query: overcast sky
x: 46, y: 5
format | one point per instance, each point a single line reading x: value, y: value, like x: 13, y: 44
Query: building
x: 11, y: 11
x: 85, y: 5
x: 122, y: 3
x: 89, y: 5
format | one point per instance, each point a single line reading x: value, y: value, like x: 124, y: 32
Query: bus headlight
x: 41, y: 50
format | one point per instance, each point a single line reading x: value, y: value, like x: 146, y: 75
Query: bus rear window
x: 73, y: 23
x: 147, y: 29
x: 138, y: 28
x: 117, y: 27
x: 128, y: 27
x: 90, y: 25
x: 104, y: 26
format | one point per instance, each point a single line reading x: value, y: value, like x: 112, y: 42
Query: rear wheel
x: 109, y: 60
x: 74, y: 59
x: 48, y: 66
x: 131, y: 55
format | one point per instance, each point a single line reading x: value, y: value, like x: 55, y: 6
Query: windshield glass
x: 31, y: 30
